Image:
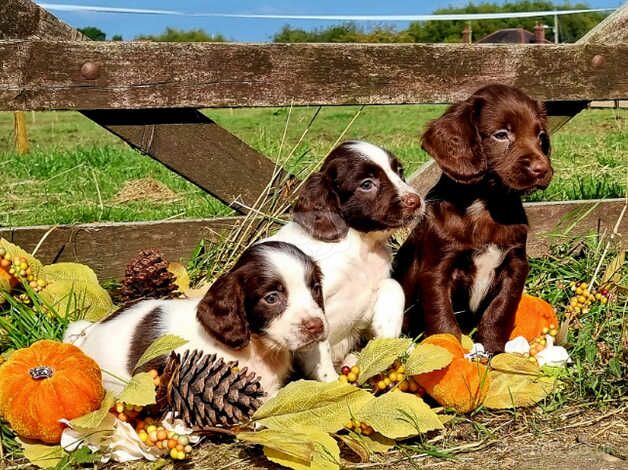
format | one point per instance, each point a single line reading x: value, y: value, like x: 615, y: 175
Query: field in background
x: 78, y: 172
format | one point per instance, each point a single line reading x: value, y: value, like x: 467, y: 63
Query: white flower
x: 555, y: 356
x: 116, y: 440
x: 518, y: 345
x: 477, y: 351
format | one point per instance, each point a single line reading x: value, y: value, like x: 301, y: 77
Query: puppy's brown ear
x: 318, y: 209
x: 222, y: 314
x: 454, y: 142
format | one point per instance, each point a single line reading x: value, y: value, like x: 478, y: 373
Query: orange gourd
x: 533, y: 314
x: 45, y: 382
x: 461, y: 385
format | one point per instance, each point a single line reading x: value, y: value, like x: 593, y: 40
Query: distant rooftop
x: 511, y: 36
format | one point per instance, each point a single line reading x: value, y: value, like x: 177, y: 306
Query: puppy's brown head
x: 359, y: 186
x: 274, y: 291
x: 499, y: 132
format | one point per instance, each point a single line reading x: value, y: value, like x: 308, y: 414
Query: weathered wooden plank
x: 23, y: 19
x: 612, y: 30
x: 195, y: 147
x: 47, y: 74
x: 108, y: 247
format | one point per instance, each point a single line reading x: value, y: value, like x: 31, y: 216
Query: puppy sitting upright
x: 466, y: 264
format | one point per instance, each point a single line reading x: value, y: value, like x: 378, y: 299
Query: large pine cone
x: 204, y: 390
x: 147, y: 276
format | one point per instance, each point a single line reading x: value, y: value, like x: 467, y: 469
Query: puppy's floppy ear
x: 453, y: 140
x: 318, y: 209
x: 222, y: 314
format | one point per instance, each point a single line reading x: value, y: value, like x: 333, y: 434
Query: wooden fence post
x: 21, y: 137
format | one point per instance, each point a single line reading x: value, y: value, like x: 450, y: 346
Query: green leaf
x: 162, y: 345
x: 139, y: 391
x: 95, y: 418
x: 41, y: 455
x: 514, y: 364
x: 326, y: 454
x: 426, y: 358
x: 399, y: 415
x: 380, y: 353
x: 66, y: 279
x: 514, y: 390
x: 319, y: 405
x: 296, y: 445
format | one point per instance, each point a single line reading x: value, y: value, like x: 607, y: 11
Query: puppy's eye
x: 501, y: 135
x: 367, y: 185
x: 317, y: 288
x: 271, y: 298
x: 542, y: 136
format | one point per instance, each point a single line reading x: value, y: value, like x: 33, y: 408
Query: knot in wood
x: 90, y: 70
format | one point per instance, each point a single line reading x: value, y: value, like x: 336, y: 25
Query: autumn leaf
x: 509, y: 390
x: 326, y: 455
x: 378, y: 354
x: 399, y: 415
x: 162, y: 345
x: 514, y: 364
x: 427, y: 357
x: 298, y: 446
x: 139, y: 391
x: 182, y: 277
x: 42, y: 456
x: 319, y: 405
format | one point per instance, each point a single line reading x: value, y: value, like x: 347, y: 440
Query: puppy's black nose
x: 411, y: 201
x: 314, y: 327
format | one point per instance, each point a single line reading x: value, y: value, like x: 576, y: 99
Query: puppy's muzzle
x: 314, y: 329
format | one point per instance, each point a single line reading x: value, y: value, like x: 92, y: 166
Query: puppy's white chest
x: 485, y: 262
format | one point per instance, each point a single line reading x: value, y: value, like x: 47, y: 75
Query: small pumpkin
x: 461, y: 385
x: 45, y: 382
x: 532, y: 316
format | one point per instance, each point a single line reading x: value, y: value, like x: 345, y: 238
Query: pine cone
x: 205, y: 391
x: 147, y: 276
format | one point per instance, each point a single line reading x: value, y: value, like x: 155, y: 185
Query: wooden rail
x: 107, y: 247
x: 84, y: 75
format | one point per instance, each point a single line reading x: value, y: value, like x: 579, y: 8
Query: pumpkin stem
x: 41, y: 372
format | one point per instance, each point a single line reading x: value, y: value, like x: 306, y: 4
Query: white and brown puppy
x: 343, y: 219
x: 269, y: 305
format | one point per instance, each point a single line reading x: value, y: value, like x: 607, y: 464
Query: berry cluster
x: 125, y: 412
x: 151, y: 434
x: 16, y: 270
x: 393, y: 378
x: 359, y: 428
x: 583, y: 297
x: 538, y: 344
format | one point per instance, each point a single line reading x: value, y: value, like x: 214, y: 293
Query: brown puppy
x: 466, y: 264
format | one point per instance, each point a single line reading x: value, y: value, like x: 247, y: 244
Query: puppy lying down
x: 267, y: 306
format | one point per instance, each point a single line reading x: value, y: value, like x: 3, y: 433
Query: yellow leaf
x: 365, y: 446
x: 139, y: 391
x: 613, y: 271
x: 95, y: 418
x: 75, y: 286
x: 41, y: 455
x: 399, y: 415
x: 355, y: 444
x: 467, y: 343
x: 296, y: 445
x: 324, y: 406
x: 162, y: 345
x: 378, y: 354
x: 513, y: 390
x: 182, y: 278
x: 514, y: 364
x: 427, y: 357
x: 326, y: 454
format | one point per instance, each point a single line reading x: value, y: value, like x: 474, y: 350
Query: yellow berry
x: 387, y: 381
x: 187, y: 449
x: 351, y: 377
x: 401, y: 369
x: 355, y: 370
x: 119, y: 407
x: 403, y: 386
x: 554, y: 332
x: 349, y: 425
x: 392, y: 376
x: 180, y: 455
x: 604, y: 300
x: 143, y: 436
x: 343, y: 379
x: 381, y: 385
x: 162, y: 435
x: 579, y: 291
x: 598, y: 296
x: 174, y: 453
x: 545, y: 330
x: 151, y: 427
x: 532, y: 359
x: 584, y: 286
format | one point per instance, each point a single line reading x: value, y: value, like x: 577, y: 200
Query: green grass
x: 75, y: 168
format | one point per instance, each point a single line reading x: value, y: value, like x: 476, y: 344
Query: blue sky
x: 250, y: 30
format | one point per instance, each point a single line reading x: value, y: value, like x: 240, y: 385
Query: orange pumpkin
x: 461, y: 385
x: 533, y: 314
x: 48, y: 381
